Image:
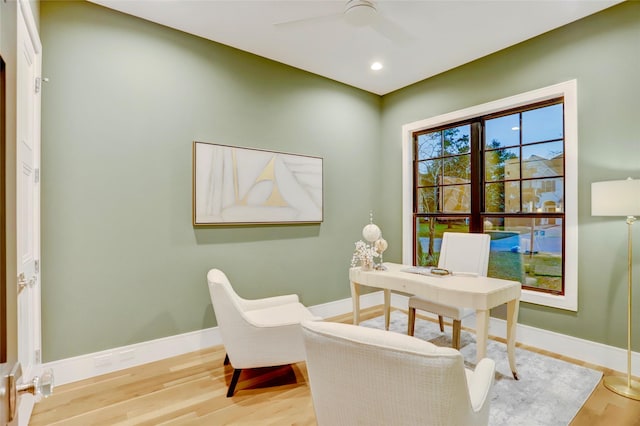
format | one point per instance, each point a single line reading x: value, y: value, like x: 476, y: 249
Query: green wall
x: 602, y: 53
x: 122, y: 262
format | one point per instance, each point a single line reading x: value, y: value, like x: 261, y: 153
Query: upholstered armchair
x: 257, y: 333
x: 366, y: 376
x: 459, y: 253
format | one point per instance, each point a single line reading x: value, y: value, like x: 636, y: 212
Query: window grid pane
x: 429, y: 146
x: 457, y: 140
x: 543, y: 124
x: 502, y: 164
x: 543, y: 159
x: 527, y: 249
x: 429, y: 232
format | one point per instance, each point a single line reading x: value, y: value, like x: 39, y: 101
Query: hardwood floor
x: 191, y: 390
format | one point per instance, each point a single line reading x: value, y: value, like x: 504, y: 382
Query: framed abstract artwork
x: 244, y: 186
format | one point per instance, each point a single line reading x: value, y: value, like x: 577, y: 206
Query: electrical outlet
x: 103, y: 360
x: 127, y: 355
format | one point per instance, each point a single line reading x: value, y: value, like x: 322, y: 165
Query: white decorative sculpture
x: 365, y: 253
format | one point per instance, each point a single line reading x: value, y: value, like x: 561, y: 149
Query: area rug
x: 550, y: 391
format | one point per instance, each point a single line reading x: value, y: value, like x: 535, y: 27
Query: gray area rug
x: 550, y: 391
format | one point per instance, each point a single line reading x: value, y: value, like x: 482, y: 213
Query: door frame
x: 26, y: 34
x: 3, y: 216
x: 28, y: 80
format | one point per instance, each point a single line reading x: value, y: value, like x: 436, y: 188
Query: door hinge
x: 36, y: 265
x: 39, y: 81
x: 36, y: 175
x: 38, y: 356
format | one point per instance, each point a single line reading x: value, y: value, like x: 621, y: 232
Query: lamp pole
x: 620, y: 198
x: 629, y: 387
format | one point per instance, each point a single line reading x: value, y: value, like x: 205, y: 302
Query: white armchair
x: 461, y: 253
x: 367, y: 376
x: 257, y: 333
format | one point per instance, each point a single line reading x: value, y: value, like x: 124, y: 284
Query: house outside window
x: 508, y: 169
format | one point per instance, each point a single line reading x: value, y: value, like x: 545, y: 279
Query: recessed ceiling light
x: 376, y: 66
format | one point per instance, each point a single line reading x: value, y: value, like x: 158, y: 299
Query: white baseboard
x: 569, y: 346
x: 94, y: 364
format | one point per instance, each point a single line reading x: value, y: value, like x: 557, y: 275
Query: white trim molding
x: 568, y: 90
x: 82, y: 367
x: 95, y: 364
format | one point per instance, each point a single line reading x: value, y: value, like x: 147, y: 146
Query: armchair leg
x: 455, y: 339
x: 411, y: 321
x: 226, y: 359
x: 234, y: 381
x: 441, y: 322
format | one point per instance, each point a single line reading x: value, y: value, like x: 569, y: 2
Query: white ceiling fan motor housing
x: 360, y: 12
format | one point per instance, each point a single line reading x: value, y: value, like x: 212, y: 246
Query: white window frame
x: 567, y: 90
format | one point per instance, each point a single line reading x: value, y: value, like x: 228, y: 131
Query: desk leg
x: 387, y: 308
x: 355, y: 299
x: 482, y: 331
x: 512, y: 324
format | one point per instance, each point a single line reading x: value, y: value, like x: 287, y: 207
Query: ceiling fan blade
x: 310, y: 20
x: 390, y: 30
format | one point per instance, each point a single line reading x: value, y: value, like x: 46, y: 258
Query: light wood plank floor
x: 191, y: 390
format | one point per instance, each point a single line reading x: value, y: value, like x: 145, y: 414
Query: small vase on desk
x: 366, y: 266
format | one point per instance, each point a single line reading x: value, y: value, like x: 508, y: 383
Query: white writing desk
x: 479, y: 293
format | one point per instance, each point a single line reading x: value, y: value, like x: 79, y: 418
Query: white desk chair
x: 462, y: 253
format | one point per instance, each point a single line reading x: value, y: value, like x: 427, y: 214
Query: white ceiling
x: 413, y: 39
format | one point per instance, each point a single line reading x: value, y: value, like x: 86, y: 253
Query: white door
x: 28, y: 200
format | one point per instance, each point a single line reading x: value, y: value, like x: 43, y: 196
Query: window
x: 507, y: 168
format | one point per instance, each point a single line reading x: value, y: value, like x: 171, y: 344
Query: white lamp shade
x: 616, y: 198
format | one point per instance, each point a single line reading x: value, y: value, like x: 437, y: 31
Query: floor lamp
x: 620, y: 198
